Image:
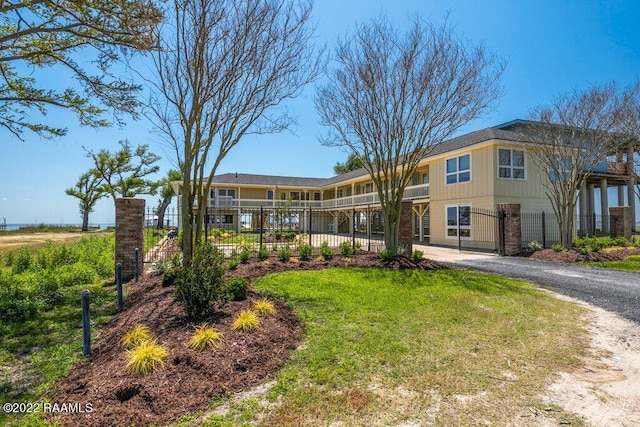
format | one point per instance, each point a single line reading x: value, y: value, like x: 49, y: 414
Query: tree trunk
x: 391, y: 229
x: 186, y: 210
x: 161, y: 212
x: 85, y: 220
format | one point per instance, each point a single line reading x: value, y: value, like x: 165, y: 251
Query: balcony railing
x: 410, y: 193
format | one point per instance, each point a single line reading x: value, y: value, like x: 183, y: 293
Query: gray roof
x: 445, y: 147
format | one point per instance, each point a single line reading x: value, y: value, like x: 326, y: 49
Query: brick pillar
x: 129, y: 234
x: 405, y: 237
x: 621, y: 221
x: 512, y: 236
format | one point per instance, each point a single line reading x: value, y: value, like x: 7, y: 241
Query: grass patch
x: 387, y: 347
x: 631, y: 263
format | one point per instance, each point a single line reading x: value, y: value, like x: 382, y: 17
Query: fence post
x: 459, y: 238
x: 261, y: 225
x: 86, y: 324
x: 501, y: 224
x: 136, y: 258
x: 353, y: 229
x: 310, y: 228
x: 119, y: 285
x: 369, y: 228
x: 544, y: 231
x: 206, y: 223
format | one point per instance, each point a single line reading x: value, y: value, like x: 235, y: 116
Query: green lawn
x: 631, y: 263
x: 385, y: 347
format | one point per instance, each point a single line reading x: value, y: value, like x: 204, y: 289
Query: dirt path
x: 606, y: 391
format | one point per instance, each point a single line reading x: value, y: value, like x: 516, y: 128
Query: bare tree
x: 570, y: 137
x: 36, y: 35
x: 224, y: 70
x: 392, y: 98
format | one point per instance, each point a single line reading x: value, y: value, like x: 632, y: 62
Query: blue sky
x: 550, y: 47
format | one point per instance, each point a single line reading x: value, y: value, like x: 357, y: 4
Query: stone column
x: 620, y: 220
x: 512, y: 236
x: 405, y: 237
x: 129, y: 234
x: 604, y: 204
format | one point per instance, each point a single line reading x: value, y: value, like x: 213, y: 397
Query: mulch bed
x: 574, y: 256
x: 189, y: 379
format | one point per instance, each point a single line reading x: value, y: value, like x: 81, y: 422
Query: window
x: 316, y: 196
x: 510, y: 164
x: 227, y: 193
x: 455, y: 214
x: 340, y: 193
x: 283, y: 196
x: 458, y: 169
x: 559, y: 167
x: 368, y: 188
x: 425, y: 178
x: 269, y: 194
x: 295, y: 195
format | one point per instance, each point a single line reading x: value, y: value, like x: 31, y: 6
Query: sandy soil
x: 14, y: 241
x: 606, y: 390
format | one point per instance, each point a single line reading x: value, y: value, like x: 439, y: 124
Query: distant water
x: 12, y: 227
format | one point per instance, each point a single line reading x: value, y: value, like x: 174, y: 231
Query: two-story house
x: 474, y: 171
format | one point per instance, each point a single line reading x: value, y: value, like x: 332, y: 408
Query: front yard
x: 380, y: 346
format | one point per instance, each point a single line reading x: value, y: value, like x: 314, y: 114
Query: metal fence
x: 160, y: 235
x: 544, y: 228
x: 274, y: 228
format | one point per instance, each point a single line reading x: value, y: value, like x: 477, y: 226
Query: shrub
x: 146, y: 357
x: 417, y: 255
x: 386, y: 255
x: 247, y: 321
x: 285, y: 254
x: 16, y: 305
x: 402, y: 250
x: 620, y: 241
x: 346, y: 248
x: 534, y: 245
x: 584, y: 251
x: 325, y: 251
x: 158, y: 268
x: 176, y: 260
x: 9, y: 259
x: 596, y: 245
x: 236, y: 289
x: 264, y: 307
x: 233, y: 264
x: 306, y: 251
x: 263, y: 253
x: 200, y: 286
x: 557, y: 247
x: 136, y: 336
x: 22, y: 261
x: 76, y: 274
x: 244, y: 255
x: 204, y: 337
x: 278, y: 235
x: 291, y: 235
x: 170, y: 277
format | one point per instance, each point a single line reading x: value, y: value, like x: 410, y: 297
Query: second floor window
x: 458, y: 169
x: 511, y: 163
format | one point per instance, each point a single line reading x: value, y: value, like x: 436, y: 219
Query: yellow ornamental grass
x: 204, y: 337
x: 136, y: 336
x: 247, y: 321
x: 264, y: 307
x: 146, y: 358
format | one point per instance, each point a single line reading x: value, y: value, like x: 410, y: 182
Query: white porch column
x: 584, y: 207
x: 336, y: 217
x: 591, y: 188
x: 604, y: 204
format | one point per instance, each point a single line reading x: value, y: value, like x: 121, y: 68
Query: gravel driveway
x: 611, y: 290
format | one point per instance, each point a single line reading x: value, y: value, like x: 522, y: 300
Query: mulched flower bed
x: 189, y: 379
x: 574, y: 256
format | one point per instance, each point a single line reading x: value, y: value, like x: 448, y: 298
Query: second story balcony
x: 414, y: 192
